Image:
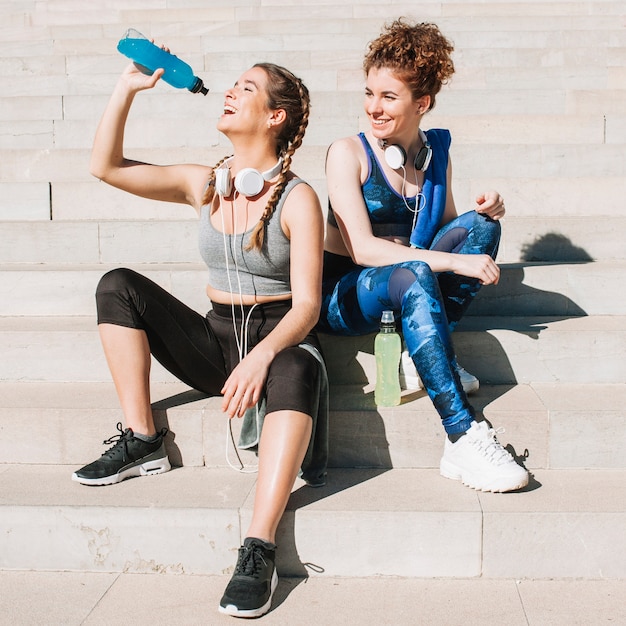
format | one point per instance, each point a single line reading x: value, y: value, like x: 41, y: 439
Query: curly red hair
x: 419, y: 55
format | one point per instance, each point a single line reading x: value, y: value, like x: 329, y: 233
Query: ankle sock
x: 455, y: 437
x: 266, y: 544
x: 146, y: 438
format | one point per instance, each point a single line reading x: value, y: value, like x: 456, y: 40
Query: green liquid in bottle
x: 387, y: 347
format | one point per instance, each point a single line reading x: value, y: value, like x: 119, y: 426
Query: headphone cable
x: 420, y: 200
x: 241, y: 339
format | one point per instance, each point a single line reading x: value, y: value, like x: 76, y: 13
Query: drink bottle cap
x: 199, y: 87
x: 387, y: 317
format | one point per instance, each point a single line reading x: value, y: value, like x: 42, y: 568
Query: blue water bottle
x: 143, y: 52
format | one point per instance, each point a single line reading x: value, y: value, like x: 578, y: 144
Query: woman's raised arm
x: 169, y: 183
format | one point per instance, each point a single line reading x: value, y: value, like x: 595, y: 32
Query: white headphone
x: 248, y: 182
x: 395, y: 155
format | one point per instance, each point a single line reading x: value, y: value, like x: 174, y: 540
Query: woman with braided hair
x: 261, y: 235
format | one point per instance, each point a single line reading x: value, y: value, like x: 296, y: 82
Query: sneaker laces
x: 250, y: 561
x: 491, y: 448
x: 118, y: 440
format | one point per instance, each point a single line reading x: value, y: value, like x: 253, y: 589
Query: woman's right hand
x: 181, y: 183
x: 480, y: 266
x: 138, y: 80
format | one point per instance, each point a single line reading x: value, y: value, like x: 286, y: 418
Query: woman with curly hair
x: 395, y: 241
x: 261, y: 236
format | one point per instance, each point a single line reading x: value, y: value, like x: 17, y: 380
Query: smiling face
x: 245, y: 104
x: 389, y: 105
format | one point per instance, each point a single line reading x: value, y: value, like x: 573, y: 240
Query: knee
x: 116, y: 298
x: 486, y: 224
x: 423, y: 293
x: 119, y: 279
x: 293, y: 382
x: 488, y: 233
x: 418, y: 270
x: 295, y: 363
x: 404, y: 279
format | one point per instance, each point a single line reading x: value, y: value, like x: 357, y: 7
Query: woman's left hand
x: 491, y: 204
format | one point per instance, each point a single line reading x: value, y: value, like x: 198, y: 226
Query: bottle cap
x: 198, y: 87
x: 387, y: 317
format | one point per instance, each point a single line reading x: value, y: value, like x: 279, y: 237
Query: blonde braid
x: 257, y: 238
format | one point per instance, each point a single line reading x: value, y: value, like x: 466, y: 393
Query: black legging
x: 202, y: 351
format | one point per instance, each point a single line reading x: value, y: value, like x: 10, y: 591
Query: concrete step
x: 509, y: 350
x: 172, y: 237
x: 525, y: 289
x: 553, y: 288
x: 57, y: 290
x: 567, y: 523
x: 511, y: 129
x: 499, y: 350
x: 505, y: 16
x: 89, y: 599
x: 106, y: 224
x: 555, y: 426
x: 300, y: 37
x: 544, y: 80
x: 46, y: 184
x: 559, y: 239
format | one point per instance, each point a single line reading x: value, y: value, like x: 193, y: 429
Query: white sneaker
x: 409, y: 378
x: 469, y: 382
x: 480, y: 462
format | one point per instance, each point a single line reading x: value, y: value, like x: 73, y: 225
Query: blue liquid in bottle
x: 143, y: 52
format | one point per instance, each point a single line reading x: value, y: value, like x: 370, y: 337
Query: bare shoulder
x: 345, y: 145
x: 301, y: 195
x: 346, y: 156
x: 302, y: 208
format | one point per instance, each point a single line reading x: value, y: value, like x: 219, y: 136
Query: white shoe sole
x: 157, y: 466
x: 231, y: 609
x: 499, y: 484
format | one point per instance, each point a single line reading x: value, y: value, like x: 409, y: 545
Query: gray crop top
x: 259, y: 272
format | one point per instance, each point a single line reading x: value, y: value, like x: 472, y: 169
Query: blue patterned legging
x: 429, y: 305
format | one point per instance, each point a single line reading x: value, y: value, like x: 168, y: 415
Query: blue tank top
x: 386, y: 208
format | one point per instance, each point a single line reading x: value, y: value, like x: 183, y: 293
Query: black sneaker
x: 128, y: 457
x: 250, y: 590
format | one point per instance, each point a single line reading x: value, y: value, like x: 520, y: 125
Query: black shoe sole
x: 141, y: 468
